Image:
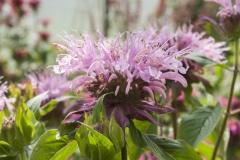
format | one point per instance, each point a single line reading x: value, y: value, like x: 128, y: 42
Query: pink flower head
x: 132, y: 70
x: 34, y: 4
x: 229, y: 19
x: 57, y: 85
x: 228, y: 9
x: 234, y: 128
x: 185, y: 37
x: 3, y: 99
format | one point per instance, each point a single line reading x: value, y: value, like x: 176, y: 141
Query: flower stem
x: 229, y: 101
x: 124, y: 149
x: 23, y: 156
x: 174, y: 122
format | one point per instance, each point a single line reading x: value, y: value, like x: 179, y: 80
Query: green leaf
x: 68, y: 129
x: 198, y: 124
x: 116, y: 134
x: 178, y: 149
x: 51, y: 146
x: 212, y: 138
x: 101, y: 147
x: 201, y: 59
x: 143, y: 126
x: 214, y: 31
x: 39, y: 130
x: 98, y: 109
x: 142, y: 141
x: 4, y: 148
x: 163, y: 148
x: 24, y: 126
x: 50, y: 105
x: 82, y: 139
x: 35, y: 103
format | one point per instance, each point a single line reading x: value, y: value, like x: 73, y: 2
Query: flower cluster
x: 132, y: 70
x: 228, y: 9
x: 234, y: 128
x: 3, y: 99
x: 229, y: 18
x: 57, y: 85
x: 185, y: 37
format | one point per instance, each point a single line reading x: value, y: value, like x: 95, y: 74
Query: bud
x: 8, y: 130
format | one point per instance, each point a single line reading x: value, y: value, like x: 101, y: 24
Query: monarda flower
x: 132, y: 70
x: 185, y: 37
x: 3, y: 99
x: 43, y: 81
x: 229, y: 18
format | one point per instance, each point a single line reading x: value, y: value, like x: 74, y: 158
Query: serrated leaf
x: 24, y: 127
x: 4, y: 148
x: 142, y: 141
x: 39, y: 130
x: 50, y: 105
x: 198, y: 124
x: 68, y: 129
x: 35, y: 103
x: 145, y: 127
x: 178, y: 149
x: 201, y: 59
x: 116, y: 134
x: 81, y: 137
x: 101, y: 147
x: 163, y: 148
x: 51, y: 146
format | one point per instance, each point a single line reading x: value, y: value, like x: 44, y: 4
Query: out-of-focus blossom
x: 147, y: 156
x: 235, y: 102
x: 45, y: 22
x: 3, y: 99
x: 34, y: 4
x: 234, y: 128
x: 132, y: 71
x: 228, y: 9
x: 20, y: 53
x: 43, y: 81
x: 185, y: 37
x: 17, y: 3
x: 44, y: 35
x: 229, y: 14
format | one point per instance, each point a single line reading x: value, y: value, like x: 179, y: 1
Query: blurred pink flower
x: 3, y: 99
x: 44, y: 35
x: 213, y: 50
x: 147, y: 156
x: 43, y: 81
x: 228, y: 9
x: 45, y: 22
x: 234, y: 128
x: 34, y: 4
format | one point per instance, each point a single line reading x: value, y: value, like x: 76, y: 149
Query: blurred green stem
x: 229, y: 101
x: 174, y: 121
x: 124, y: 149
x: 23, y: 156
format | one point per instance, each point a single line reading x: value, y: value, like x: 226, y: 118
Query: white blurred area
x: 86, y: 15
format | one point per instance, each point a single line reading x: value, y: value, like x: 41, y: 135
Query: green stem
x: 174, y: 122
x: 23, y: 156
x: 124, y: 149
x: 229, y: 101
